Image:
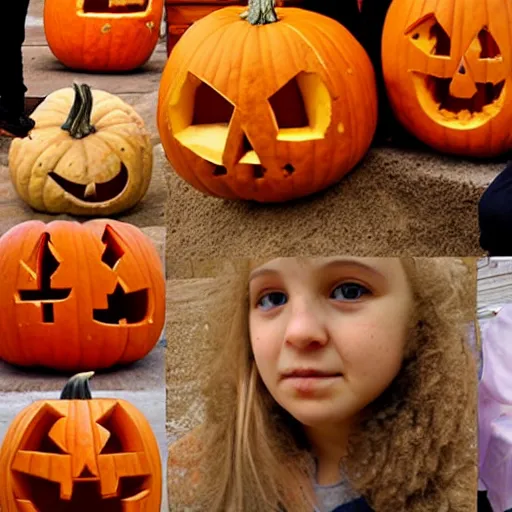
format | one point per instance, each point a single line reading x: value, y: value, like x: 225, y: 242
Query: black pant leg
x: 13, y: 16
x: 495, y: 215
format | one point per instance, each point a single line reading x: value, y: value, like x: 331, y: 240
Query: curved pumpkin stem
x: 260, y: 12
x: 77, y: 387
x: 78, y: 123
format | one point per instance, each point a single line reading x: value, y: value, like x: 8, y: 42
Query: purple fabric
x: 495, y: 411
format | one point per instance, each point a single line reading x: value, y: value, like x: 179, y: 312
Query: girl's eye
x: 272, y: 300
x: 349, y: 291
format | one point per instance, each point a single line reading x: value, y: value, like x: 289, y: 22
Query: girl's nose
x: 306, y: 325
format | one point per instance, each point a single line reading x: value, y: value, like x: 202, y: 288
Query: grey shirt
x: 329, y: 497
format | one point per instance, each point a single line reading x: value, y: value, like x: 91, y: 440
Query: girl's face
x: 328, y: 334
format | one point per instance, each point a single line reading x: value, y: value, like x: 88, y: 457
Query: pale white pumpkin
x: 89, y: 154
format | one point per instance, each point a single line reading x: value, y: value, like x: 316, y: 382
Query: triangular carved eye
x: 302, y: 108
x: 288, y: 106
x: 430, y: 37
x: 210, y: 107
x: 489, y: 49
x: 200, y: 118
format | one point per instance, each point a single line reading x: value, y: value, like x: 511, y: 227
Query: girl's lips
x: 309, y: 373
x: 312, y: 383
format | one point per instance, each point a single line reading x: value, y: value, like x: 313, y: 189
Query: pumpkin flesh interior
x: 460, y: 101
x: 111, y: 6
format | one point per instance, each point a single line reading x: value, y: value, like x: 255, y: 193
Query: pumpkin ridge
x: 35, y: 225
x: 20, y: 157
x: 122, y: 119
x: 355, y: 122
x: 317, y: 178
x: 133, y: 240
x: 142, y: 184
x: 30, y: 183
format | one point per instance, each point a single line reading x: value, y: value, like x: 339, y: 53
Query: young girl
x: 337, y: 384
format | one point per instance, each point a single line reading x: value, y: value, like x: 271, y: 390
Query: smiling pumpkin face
x: 102, y: 35
x: 89, y: 154
x: 448, y: 74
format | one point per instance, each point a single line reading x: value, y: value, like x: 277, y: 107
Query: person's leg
x: 12, y: 88
x: 483, y: 503
x: 495, y: 215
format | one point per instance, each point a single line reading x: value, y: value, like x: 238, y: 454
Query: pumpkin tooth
x: 465, y: 115
x: 90, y: 189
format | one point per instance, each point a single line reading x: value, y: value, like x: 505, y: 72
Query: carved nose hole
x: 462, y: 69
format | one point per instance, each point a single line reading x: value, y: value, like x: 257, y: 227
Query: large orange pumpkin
x: 79, y: 296
x: 272, y: 107
x: 448, y: 71
x: 102, y: 35
x: 79, y: 454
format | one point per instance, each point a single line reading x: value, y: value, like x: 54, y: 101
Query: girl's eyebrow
x: 262, y: 271
x: 329, y: 265
x: 348, y: 262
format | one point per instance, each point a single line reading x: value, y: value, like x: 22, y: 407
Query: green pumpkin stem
x: 77, y: 387
x: 260, y: 12
x: 78, y: 123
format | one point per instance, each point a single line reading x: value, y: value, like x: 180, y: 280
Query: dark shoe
x: 18, y: 125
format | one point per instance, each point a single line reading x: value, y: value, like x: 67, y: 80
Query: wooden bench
x: 180, y: 14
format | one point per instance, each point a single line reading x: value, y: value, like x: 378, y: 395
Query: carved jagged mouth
x: 99, y: 192
x: 45, y: 496
x: 434, y: 96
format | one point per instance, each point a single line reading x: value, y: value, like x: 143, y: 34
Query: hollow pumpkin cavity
x: 302, y: 108
x: 122, y: 307
x: 94, y: 192
x: 41, y: 266
x: 112, y: 6
x: 200, y: 118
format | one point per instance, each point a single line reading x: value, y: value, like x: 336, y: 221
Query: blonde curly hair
x: 415, y: 452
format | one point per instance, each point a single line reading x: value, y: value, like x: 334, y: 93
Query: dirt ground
x: 395, y: 203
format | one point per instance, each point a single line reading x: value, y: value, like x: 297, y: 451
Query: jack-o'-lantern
x: 78, y: 454
x: 267, y: 104
x: 89, y: 154
x: 102, y: 35
x: 448, y: 72
x: 79, y: 296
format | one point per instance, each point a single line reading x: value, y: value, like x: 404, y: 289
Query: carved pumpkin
x: 448, y: 70
x: 79, y: 296
x: 72, y: 166
x: 272, y: 107
x: 102, y: 35
x: 79, y: 454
